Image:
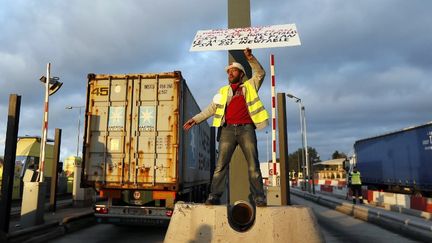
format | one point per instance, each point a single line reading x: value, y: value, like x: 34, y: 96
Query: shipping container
x: 400, y: 161
x: 135, y: 151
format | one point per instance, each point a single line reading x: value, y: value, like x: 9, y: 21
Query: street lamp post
x: 308, y: 165
x: 305, y: 153
x: 79, y: 124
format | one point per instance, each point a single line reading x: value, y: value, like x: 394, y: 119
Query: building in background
x: 330, y: 169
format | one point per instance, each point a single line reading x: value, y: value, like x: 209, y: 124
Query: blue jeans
x: 230, y: 137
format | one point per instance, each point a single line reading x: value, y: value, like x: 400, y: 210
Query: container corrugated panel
x: 133, y: 131
x: 196, y: 150
x: 400, y: 158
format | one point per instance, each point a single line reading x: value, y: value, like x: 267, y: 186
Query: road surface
x: 338, y: 227
x: 335, y: 226
x: 104, y: 233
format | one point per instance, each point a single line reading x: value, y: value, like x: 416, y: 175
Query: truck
x: 399, y: 161
x: 135, y: 152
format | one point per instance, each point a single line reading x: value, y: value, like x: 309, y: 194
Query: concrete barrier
x: 388, y: 198
x: 201, y: 223
x: 338, y: 188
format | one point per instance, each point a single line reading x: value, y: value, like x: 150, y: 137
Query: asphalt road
x: 103, y: 233
x: 335, y: 227
x: 338, y: 227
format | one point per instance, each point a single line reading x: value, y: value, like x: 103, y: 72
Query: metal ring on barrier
x: 241, y: 215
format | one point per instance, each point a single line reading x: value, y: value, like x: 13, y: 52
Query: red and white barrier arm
x: 273, y: 111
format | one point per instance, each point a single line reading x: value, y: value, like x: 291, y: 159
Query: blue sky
x: 364, y: 67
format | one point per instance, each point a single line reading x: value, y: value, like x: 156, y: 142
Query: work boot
x: 354, y: 201
x: 212, y: 201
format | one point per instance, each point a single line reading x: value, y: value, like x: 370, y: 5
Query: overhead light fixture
x: 54, y: 84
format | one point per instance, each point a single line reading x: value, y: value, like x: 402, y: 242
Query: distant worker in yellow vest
x: 355, y: 185
x: 237, y: 111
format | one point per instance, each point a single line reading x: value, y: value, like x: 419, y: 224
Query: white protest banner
x: 240, y: 38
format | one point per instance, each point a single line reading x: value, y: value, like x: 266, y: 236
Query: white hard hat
x: 235, y: 65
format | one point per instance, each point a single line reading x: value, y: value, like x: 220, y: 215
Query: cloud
x: 363, y: 67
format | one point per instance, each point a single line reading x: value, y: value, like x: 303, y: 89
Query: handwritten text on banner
x: 240, y: 38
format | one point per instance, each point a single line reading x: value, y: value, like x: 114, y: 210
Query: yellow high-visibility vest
x: 355, y: 178
x: 255, y: 106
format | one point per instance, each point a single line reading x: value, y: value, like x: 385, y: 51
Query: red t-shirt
x: 237, y: 111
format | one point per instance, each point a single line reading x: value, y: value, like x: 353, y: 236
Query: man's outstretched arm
x: 200, y: 117
x: 258, y: 72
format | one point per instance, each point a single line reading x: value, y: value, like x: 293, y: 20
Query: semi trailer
x: 399, y: 161
x: 135, y: 152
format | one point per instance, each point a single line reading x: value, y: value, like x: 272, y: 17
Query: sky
x: 362, y: 68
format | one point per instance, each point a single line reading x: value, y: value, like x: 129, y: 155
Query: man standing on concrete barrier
x: 237, y: 111
x: 355, y: 185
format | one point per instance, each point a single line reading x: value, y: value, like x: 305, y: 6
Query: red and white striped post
x: 44, y: 126
x: 273, y: 111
